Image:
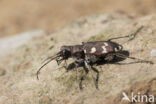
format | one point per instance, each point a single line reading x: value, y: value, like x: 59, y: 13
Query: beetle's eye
x: 64, y: 51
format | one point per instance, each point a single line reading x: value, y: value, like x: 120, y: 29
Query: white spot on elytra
x: 93, y: 50
x: 105, y: 43
x: 116, y: 49
x: 104, y: 49
x: 85, y: 51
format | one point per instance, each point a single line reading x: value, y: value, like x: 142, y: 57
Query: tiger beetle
x: 89, y: 53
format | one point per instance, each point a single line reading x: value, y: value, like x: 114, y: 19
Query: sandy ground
x: 18, y: 16
x: 18, y: 69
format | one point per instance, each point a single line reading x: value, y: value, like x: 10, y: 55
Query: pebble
x: 153, y: 52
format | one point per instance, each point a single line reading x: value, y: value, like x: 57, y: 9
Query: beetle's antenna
x: 131, y: 35
x: 51, y: 58
x: 48, y: 58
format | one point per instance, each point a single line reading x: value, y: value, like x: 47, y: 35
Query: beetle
x: 89, y: 53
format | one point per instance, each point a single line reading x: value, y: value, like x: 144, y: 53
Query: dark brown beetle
x: 91, y: 52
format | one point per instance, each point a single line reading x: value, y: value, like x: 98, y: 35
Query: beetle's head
x: 64, y: 54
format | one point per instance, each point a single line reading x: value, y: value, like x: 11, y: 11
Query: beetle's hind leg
x: 139, y: 60
x: 131, y: 36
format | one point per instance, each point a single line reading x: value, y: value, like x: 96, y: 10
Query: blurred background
x: 25, y: 15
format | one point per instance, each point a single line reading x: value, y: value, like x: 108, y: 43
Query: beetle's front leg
x: 65, y: 64
x: 77, y: 76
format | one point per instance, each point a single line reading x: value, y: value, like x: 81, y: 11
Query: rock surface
x: 19, y: 84
x: 8, y: 44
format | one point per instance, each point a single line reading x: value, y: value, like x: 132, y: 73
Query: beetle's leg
x: 140, y: 60
x: 83, y: 77
x: 65, y: 64
x: 109, y: 57
x: 131, y: 35
x: 77, y: 77
x: 58, y: 62
x: 97, y: 76
x: 90, y: 68
x: 118, y: 38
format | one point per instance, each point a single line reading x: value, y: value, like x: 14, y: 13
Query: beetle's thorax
x: 73, y: 49
x: 68, y: 48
